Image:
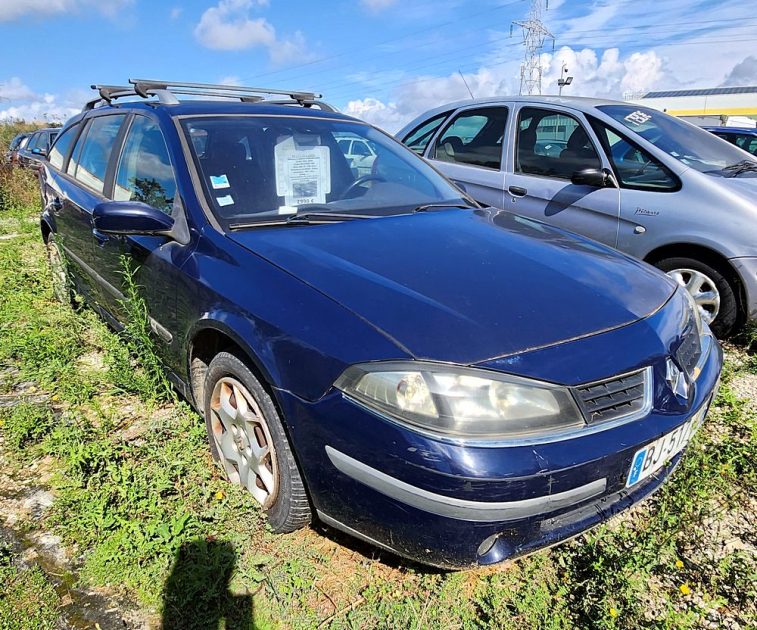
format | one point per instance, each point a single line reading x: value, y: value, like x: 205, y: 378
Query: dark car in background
x: 455, y: 384
x: 744, y: 138
x: 11, y: 155
x: 36, y: 148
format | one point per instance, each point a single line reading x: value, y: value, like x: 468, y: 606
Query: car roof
x: 216, y: 107
x: 577, y: 102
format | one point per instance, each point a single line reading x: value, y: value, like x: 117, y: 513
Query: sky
x: 385, y: 61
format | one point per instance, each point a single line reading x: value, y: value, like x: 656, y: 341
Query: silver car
x: 634, y: 178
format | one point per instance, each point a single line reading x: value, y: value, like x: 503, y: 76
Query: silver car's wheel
x: 702, y: 288
x: 243, y: 440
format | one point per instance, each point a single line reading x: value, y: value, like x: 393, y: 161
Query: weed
x: 25, y: 423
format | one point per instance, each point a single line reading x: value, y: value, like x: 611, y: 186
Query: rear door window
x: 474, y: 137
x: 92, y: 161
x: 553, y: 144
x: 144, y: 171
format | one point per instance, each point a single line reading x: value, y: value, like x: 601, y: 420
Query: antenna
x: 467, y: 87
x: 534, y: 34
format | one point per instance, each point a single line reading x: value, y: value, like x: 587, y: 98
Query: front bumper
x: 747, y: 270
x: 457, y: 505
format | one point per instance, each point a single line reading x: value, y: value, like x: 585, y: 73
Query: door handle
x: 517, y: 191
x: 100, y: 237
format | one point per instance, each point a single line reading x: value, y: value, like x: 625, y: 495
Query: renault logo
x: 677, y: 380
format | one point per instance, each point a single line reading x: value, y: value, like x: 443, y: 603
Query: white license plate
x: 652, y: 457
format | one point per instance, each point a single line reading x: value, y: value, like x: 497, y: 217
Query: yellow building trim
x: 714, y: 111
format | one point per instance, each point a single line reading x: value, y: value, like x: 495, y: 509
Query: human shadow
x: 196, y: 594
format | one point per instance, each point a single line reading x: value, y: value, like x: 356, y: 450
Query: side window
x: 418, y: 138
x: 92, y: 160
x: 634, y: 167
x: 144, y: 170
x: 62, y: 146
x: 474, y: 138
x: 553, y: 144
x: 360, y: 149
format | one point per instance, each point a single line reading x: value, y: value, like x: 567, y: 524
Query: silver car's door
x: 644, y: 182
x: 551, y: 144
x: 468, y: 150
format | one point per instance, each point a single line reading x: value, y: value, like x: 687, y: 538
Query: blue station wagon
x: 369, y: 347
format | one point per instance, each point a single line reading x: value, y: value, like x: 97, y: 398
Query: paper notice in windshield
x: 303, y: 171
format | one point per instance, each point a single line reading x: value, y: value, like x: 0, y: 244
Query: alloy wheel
x: 243, y: 440
x: 702, y: 289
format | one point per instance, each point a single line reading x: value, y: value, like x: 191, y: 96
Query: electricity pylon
x: 534, y: 34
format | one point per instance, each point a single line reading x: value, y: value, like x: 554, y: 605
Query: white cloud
x: 377, y: 5
x: 14, y: 90
x: 176, y: 12
x: 606, y: 75
x: 743, y: 73
x: 228, y: 26
x: 19, y: 102
x: 14, y: 9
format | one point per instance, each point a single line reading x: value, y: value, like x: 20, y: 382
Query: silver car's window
x: 474, y: 137
x: 553, y: 144
x: 418, y: 138
x: 297, y: 163
x: 144, y: 170
x: 687, y: 143
x: 634, y: 167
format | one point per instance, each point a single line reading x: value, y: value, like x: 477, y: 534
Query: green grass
x: 139, y: 499
x: 27, y: 599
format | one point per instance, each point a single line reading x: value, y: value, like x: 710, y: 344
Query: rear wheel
x: 711, y: 290
x: 248, y: 440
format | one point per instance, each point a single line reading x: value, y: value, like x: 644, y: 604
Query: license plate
x: 652, y: 457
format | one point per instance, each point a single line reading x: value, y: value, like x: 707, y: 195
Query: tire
x: 60, y: 279
x: 728, y: 315
x: 242, y: 424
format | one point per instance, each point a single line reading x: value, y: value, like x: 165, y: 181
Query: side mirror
x: 598, y: 178
x: 122, y: 218
x: 38, y: 151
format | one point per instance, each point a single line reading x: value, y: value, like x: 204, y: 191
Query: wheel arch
x: 206, y: 340
x: 708, y: 256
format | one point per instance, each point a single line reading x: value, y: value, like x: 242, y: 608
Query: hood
x: 463, y: 286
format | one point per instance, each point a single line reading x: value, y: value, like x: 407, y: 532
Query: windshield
x: 687, y: 143
x: 261, y: 169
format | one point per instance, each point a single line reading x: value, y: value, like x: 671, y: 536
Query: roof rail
x: 166, y: 92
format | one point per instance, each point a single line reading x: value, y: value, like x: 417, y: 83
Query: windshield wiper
x: 745, y: 166
x: 441, y: 206
x: 303, y: 218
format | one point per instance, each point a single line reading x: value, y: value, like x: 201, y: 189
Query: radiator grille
x: 615, y: 397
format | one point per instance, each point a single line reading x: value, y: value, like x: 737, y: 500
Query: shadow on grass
x: 196, y: 594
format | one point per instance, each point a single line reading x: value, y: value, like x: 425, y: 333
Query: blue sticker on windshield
x: 219, y: 181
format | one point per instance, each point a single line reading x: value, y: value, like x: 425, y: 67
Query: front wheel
x: 248, y: 439
x: 711, y: 290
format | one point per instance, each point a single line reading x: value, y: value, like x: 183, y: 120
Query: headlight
x: 461, y: 402
x: 694, y: 312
